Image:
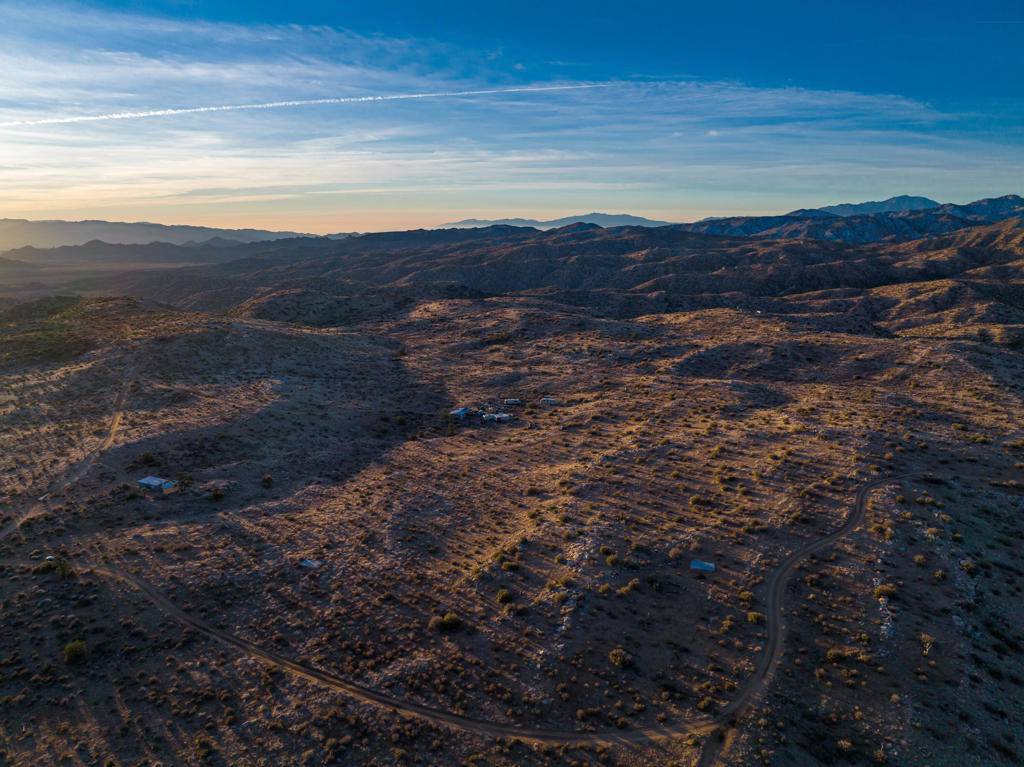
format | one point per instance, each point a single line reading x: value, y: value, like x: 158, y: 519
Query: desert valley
x: 746, y: 491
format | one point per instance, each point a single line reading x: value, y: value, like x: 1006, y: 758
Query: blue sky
x: 706, y: 109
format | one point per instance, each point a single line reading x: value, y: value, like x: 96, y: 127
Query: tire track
x: 772, y: 652
x: 75, y: 473
x: 720, y: 728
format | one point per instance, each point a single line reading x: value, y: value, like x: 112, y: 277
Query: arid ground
x: 348, y: 575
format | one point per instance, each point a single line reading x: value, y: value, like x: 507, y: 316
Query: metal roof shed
x: 158, y: 484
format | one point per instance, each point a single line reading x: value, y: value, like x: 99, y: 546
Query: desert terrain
x: 349, y: 574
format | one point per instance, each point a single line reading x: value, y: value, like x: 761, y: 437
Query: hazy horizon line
x: 302, y: 231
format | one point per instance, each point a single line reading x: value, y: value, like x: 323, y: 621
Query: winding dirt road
x: 720, y: 726
x: 770, y: 656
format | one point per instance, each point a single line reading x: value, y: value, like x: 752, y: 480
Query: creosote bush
x: 619, y: 657
x: 445, y: 623
x: 75, y: 652
x: 887, y: 590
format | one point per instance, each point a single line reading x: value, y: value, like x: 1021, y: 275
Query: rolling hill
x: 17, y: 233
x: 833, y: 425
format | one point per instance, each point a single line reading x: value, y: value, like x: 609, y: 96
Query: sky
x: 428, y: 112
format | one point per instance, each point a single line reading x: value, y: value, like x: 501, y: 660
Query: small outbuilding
x: 158, y: 485
x: 700, y: 566
x: 512, y: 401
x: 548, y: 401
x: 497, y: 417
x: 461, y: 413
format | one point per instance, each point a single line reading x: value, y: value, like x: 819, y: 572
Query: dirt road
x: 74, y: 473
x: 775, y: 617
x: 718, y: 727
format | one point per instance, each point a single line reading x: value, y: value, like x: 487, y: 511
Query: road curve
x: 720, y: 724
x: 772, y: 651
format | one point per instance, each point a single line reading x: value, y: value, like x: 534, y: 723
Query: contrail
x: 296, y: 103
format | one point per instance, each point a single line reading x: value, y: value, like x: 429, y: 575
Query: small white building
x: 548, y: 401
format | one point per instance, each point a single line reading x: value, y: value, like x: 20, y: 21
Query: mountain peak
x: 606, y: 220
x: 898, y: 204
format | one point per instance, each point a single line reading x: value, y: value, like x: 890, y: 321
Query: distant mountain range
x: 617, y: 271
x: 896, y: 226
x: 96, y: 252
x: 606, y: 220
x: 17, y: 233
x: 896, y: 219
x: 893, y: 205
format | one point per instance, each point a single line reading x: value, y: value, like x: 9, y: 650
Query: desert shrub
x: 504, y: 595
x: 619, y: 657
x: 75, y: 652
x: 887, y: 590
x: 629, y: 587
x: 202, y: 747
x: 837, y: 654
x: 445, y: 623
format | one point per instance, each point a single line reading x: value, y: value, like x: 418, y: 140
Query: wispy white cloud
x: 449, y: 132
x: 173, y: 112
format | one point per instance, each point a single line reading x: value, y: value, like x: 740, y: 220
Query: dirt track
x: 775, y: 617
x: 75, y: 473
x: 722, y: 723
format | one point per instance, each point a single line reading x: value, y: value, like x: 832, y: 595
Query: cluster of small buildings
x: 492, y: 414
x: 487, y: 415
